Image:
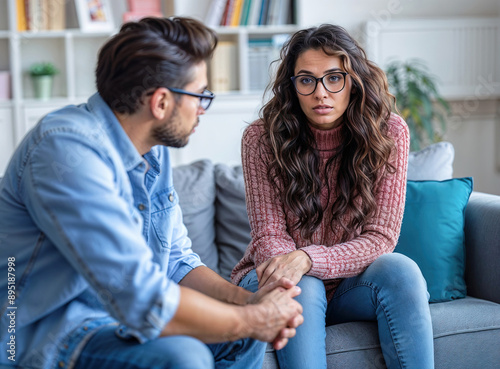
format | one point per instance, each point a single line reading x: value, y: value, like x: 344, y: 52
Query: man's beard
x: 168, y: 134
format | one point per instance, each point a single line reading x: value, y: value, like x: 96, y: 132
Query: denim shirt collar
x: 120, y: 140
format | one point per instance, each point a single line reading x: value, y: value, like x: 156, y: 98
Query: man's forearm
x: 207, y: 319
x: 272, y: 319
x: 206, y: 281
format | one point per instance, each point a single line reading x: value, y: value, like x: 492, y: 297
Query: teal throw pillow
x: 432, y: 234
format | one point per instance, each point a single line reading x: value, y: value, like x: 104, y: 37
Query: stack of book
x: 263, y: 57
x: 223, y: 73
x: 40, y: 15
x: 249, y: 13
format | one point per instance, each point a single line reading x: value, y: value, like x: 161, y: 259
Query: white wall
x: 475, y: 134
x: 352, y: 14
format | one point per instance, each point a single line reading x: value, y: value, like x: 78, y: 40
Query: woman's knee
x: 312, y: 293
x: 399, y: 273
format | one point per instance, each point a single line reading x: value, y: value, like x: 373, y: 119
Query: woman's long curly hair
x: 365, y: 149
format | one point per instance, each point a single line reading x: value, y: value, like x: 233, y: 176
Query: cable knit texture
x: 332, y: 259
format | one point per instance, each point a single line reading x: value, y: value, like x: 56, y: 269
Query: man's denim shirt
x: 94, y: 234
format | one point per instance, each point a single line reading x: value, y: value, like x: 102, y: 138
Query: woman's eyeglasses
x: 333, y: 82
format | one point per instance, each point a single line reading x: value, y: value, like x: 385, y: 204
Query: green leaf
x: 43, y: 69
x: 418, y: 100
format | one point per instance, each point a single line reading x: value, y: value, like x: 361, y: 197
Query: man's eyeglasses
x: 333, y: 82
x: 205, y: 97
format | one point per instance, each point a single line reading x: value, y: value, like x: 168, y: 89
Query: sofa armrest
x: 482, y: 245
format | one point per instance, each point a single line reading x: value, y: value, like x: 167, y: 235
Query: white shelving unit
x: 75, y: 54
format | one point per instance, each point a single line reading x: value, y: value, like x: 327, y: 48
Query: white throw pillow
x: 435, y: 162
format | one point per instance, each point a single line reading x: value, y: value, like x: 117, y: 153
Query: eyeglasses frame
x: 209, y: 96
x: 202, y: 96
x: 317, y: 80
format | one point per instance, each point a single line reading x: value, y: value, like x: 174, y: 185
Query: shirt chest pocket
x: 163, y: 218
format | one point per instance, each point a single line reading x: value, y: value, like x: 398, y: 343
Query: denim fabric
x: 105, y: 350
x: 391, y: 291
x: 95, y: 230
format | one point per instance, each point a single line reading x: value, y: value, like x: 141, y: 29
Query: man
x: 97, y: 268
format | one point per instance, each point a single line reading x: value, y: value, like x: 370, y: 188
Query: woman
x: 325, y: 174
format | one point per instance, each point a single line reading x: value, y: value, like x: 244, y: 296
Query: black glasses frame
x: 205, y: 98
x: 317, y: 80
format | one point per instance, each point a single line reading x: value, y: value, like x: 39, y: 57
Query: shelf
x: 74, y: 53
x: 289, y: 28
x: 61, y: 34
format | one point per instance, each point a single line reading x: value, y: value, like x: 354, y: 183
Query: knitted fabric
x: 271, y: 222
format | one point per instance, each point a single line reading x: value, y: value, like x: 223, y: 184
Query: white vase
x: 43, y: 87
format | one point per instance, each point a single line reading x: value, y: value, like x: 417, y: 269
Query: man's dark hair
x: 150, y: 53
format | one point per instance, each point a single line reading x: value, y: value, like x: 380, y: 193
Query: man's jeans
x: 391, y: 291
x: 106, y: 350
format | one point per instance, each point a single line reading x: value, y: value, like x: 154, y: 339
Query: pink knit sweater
x: 332, y: 260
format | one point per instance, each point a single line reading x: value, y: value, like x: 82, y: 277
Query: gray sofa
x: 466, y: 331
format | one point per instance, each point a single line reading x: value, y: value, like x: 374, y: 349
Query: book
x: 223, y: 67
x: 215, y: 13
x: 236, y: 13
x: 225, y: 13
x: 263, y: 12
x: 273, y: 12
x: 262, y: 57
x: 21, y: 16
x: 253, y: 17
x: 35, y: 15
x: 56, y: 14
x: 259, y: 52
x: 245, y: 12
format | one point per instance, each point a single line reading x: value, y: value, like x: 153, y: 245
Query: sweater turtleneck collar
x: 327, y: 140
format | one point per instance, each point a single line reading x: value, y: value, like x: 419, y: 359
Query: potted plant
x: 418, y: 101
x: 42, y: 75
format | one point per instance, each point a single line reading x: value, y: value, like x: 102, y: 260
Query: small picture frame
x: 94, y: 15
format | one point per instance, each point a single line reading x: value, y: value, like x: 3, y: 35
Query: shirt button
x: 171, y: 197
x: 85, y: 328
x: 61, y: 364
x: 142, y: 207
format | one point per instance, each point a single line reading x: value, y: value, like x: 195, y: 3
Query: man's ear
x: 159, y: 102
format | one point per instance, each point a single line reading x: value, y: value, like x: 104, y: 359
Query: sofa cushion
x: 195, y: 186
x: 231, y: 220
x: 434, y: 162
x: 432, y: 234
x: 466, y: 333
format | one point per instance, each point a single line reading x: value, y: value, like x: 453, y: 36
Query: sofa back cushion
x: 195, y: 185
x: 231, y: 220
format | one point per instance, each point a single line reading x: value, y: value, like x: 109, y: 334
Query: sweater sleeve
x: 265, y: 209
x: 380, y: 235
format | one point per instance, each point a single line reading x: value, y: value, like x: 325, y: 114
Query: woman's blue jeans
x: 391, y: 291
